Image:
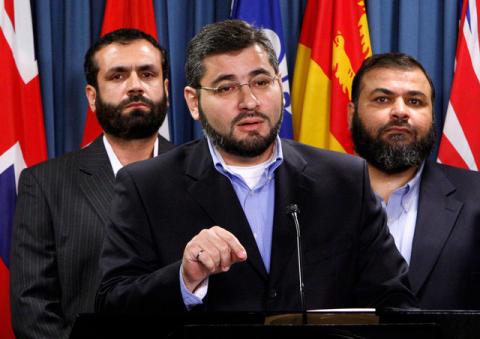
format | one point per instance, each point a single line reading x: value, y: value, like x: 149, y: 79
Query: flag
x: 460, y: 141
x: 266, y: 14
x: 333, y: 43
x: 124, y: 14
x: 22, y: 133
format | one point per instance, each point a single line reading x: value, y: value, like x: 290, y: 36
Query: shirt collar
x: 114, y: 162
x: 410, y: 190
x: 270, y: 165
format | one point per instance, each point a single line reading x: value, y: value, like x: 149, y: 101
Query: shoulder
x: 61, y: 166
x: 317, y: 157
x: 462, y: 179
x: 55, y: 164
x: 172, y: 161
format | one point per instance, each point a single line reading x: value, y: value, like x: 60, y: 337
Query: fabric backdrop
x: 64, y: 29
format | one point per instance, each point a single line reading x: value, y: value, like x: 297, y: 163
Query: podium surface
x: 391, y: 324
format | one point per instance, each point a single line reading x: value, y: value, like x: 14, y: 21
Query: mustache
x: 135, y: 99
x: 244, y: 115
x: 397, y: 123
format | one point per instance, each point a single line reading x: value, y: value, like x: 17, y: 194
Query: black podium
x: 391, y: 324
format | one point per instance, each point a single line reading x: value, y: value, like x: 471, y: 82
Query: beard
x: 254, y: 145
x: 137, y: 124
x: 391, y: 154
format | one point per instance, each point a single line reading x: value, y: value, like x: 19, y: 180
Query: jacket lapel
x: 215, y: 194
x: 291, y: 187
x: 96, y: 178
x: 437, y: 214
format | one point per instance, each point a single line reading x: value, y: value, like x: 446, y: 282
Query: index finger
x: 237, y: 249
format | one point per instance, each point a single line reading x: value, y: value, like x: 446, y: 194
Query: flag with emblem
x: 22, y: 133
x: 333, y: 43
x: 460, y: 141
x: 124, y: 14
x: 266, y: 14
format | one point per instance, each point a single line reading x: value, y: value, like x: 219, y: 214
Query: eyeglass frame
x: 239, y: 85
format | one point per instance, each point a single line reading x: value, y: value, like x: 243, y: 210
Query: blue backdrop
x: 64, y: 29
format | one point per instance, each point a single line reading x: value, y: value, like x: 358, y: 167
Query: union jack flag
x: 460, y: 142
x: 22, y: 134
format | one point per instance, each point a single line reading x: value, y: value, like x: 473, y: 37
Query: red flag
x: 22, y: 141
x: 332, y: 46
x: 460, y: 143
x: 123, y: 14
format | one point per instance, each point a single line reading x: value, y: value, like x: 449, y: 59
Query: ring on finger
x: 199, y: 253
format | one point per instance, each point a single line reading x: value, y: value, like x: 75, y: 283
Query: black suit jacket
x: 58, y: 230
x: 160, y: 204
x: 445, y: 261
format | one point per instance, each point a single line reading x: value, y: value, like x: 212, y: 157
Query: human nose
x: 135, y: 86
x: 399, y: 110
x: 248, y: 100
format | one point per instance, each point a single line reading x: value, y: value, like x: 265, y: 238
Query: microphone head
x: 293, y: 208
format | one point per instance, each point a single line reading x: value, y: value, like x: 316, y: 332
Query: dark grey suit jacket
x: 350, y: 257
x: 445, y: 261
x: 57, y: 235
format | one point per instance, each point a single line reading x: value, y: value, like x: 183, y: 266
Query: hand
x: 211, y: 251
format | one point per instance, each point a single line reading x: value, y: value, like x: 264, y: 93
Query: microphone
x: 293, y: 211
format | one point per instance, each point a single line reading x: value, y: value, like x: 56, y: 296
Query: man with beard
x: 63, y: 203
x: 433, y: 210
x: 216, y: 236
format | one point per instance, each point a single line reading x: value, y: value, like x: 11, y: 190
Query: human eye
x: 148, y: 75
x: 261, y: 82
x: 226, y: 88
x: 117, y: 76
x: 415, y: 102
x: 381, y: 99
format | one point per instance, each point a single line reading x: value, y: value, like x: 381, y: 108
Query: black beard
x: 254, y: 146
x: 137, y: 124
x: 393, y: 156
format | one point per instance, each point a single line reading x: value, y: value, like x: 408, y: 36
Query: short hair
x: 122, y: 36
x: 222, y: 37
x: 399, y: 61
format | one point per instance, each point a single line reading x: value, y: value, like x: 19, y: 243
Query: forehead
x: 395, y: 80
x: 135, y: 53
x: 237, y: 63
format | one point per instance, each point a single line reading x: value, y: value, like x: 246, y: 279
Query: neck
x: 128, y: 151
x: 384, y: 183
x: 236, y: 160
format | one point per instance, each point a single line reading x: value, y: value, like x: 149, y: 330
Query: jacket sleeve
x: 34, y: 286
x: 134, y: 280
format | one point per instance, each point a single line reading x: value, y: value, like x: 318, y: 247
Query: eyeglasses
x: 258, y: 85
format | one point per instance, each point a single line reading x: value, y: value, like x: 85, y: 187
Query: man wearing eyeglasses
x: 205, y: 226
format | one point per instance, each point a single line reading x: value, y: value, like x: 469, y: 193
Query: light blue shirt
x: 401, y: 209
x: 257, y: 204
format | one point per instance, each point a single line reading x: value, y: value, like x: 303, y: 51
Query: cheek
x: 219, y: 114
x: 111, y: 92
x: 272, y: 104
x: 155, y: 89
x: 424, y: 121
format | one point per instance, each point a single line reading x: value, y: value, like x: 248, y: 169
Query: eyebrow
x: 144, y: 67
x: 231, y: 77
x: 389, y: 92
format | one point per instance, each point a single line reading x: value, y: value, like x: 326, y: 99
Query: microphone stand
x: 293, y: 211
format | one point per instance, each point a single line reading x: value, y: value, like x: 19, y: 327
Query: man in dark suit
x: 63, y: 203
x: 216, y: 235
x: 433, y: 210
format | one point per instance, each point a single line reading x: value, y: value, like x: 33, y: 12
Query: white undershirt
x: 116, y: 164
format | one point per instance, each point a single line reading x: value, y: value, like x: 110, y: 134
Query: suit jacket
x: 58, y: 230
x: 350, y: 259
x: 445, y: 262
